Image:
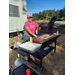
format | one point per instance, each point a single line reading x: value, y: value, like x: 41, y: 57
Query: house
x: 17, y: 15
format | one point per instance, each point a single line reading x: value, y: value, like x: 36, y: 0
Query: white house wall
x: 17, y: 22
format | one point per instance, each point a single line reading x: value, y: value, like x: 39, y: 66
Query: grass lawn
x: 60, y: 27
x: 46, y: 21
x: 56, y: 27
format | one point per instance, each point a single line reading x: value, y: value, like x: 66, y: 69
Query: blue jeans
x: 26, y: 37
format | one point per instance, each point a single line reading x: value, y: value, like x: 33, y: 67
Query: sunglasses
x: 29, y: 17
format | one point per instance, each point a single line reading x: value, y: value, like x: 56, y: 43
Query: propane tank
x: 19, y: 61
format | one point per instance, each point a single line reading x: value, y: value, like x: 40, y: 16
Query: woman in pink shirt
x: 30, y: 28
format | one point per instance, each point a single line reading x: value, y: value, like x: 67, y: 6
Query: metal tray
x: 30, y: 47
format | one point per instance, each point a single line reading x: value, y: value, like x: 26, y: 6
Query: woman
x: 30, y: 28
x: 50, y: 26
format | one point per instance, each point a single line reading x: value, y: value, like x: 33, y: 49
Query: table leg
x: 41, y: 67
x: 55, y: 48
x: 28, y: 57
x: 40, y: 57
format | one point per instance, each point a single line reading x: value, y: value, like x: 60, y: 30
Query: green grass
x: 60, y: 27
x: 46, y: 21
x: 56, y: 22
x: 60, y: 22
x: 56, y: 27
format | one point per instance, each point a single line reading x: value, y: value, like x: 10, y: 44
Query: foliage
x: 48, y: 14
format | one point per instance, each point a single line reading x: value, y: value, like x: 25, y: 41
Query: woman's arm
x: 29, y: 31
x: 37, y: 28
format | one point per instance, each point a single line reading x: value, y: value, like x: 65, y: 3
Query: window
x: 13, y: 11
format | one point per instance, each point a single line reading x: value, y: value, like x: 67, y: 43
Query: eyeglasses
x: 30, y: 17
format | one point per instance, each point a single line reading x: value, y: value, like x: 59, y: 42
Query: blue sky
x: 35, y: 6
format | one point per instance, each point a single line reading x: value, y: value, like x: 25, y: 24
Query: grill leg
x: 28, y: 57
x: 41, y: 67
x: 40, y: 57
x: 55, y: 48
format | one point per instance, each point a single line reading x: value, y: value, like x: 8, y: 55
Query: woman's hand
x: 50, y: 34
x: 36, y: 32
x: 37, y: 28
x: 53, y: 26
x: 35, y: 36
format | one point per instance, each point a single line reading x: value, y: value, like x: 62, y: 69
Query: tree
x: 48, y: 14
x: 62, y: 13
x: 44, y: 14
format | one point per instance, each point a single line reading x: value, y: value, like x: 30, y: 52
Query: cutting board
x: 43, y: 38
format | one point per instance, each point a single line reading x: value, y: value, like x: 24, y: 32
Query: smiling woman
x: 30, y: 28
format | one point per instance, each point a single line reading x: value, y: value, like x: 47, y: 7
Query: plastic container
x: 28, y: 72
x: 30, y: 47
x: 31, y: 39
x: 16, y: 43
x: 46, y: 48
x: 57, y: 32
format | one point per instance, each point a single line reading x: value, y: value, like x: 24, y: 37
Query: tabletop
x: 45, y: 38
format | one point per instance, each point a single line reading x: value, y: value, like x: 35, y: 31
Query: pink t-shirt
x: 32, y: 26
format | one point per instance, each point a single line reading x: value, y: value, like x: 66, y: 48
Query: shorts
x: 26, y: 37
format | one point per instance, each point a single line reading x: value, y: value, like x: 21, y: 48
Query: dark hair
x: 53, y: 18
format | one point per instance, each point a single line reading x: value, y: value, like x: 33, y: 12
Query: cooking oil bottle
x: 57, y: 32
x: 31, y: 39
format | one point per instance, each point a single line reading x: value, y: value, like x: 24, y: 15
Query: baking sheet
x: 31, y: 47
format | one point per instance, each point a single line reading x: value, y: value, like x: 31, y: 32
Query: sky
x: 35, y: 6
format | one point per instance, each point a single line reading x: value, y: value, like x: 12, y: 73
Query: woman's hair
x: 53, y: 18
